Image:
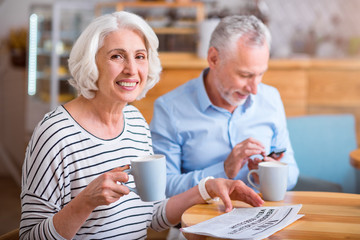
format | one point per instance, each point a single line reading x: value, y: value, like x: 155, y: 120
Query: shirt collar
x: 249, y: 101
x: 204, y: 100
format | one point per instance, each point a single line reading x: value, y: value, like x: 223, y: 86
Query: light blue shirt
x: 197, y: 136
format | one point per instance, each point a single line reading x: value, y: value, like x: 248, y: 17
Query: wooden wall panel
x: 169, y: 80
x: 293, y: 88
x: 334, y: 88
x: 335, y: 92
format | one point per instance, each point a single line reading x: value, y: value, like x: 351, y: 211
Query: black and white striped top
x: 62, y: 158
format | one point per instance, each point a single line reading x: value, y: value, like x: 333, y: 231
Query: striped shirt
x: 62, y: 158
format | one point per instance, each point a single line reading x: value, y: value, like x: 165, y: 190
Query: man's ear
x: 213, y: 57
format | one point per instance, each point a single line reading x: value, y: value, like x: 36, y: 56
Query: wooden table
x: 355, y: 158
x: 327, y: 216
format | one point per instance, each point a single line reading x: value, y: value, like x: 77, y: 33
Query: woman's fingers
x: 229, y: 190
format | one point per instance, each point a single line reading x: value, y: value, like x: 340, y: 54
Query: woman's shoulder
x: 53, y: 121
x: 49, y: 118
x: 130, y: 111
x: 133, y: 115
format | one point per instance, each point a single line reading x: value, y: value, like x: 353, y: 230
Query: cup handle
x: 249, y: 179
x: 128, y: 171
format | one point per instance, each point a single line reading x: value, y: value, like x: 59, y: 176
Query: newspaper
x: 247, y: 223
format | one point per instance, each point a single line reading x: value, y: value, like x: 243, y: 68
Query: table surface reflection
x: 355, y: 158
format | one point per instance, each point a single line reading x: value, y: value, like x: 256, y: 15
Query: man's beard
x: 228, y: 97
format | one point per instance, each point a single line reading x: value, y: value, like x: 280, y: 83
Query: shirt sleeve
x: 167, y: 141
x: 37, y: 217
x: 37, y: 220
x: 159, y: 220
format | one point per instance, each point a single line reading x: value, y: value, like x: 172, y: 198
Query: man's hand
x: 254, y: 164
x: 240, y: 154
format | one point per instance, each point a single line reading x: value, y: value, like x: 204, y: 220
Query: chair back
x: 322, y: 144
x: 12, y: 235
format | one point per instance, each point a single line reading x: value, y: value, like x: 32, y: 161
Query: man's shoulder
x: 268, y: 91
x: 181, y: 92
x: 267, y: 88
x: 268, y: 97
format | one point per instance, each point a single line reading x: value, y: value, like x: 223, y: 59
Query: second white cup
x: 273, y: 180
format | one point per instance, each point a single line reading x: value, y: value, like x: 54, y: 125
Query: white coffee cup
x: 150, y: 177
x: 273, y: 180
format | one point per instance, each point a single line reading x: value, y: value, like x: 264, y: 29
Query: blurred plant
x: 17, y: 43
x: 354, y: 47
x: 17, y: 38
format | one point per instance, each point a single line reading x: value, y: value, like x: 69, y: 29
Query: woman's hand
x: 105, y: 189
x: 229, y: 190
x: 226, y: 189
x: 101, y: 191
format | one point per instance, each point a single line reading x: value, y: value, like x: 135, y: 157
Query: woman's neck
x: 100, y: 119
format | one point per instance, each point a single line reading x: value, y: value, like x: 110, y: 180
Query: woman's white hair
x: 82, y: 64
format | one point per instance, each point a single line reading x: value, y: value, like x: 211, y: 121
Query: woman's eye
x: 142, y: 57
x: 116, y: 56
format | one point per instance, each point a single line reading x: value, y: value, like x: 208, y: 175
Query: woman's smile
x: 128, y: 84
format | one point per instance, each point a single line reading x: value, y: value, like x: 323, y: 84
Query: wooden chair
x: 12, y: 235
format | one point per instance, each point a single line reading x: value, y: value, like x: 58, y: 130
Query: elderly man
x: 226, y: 121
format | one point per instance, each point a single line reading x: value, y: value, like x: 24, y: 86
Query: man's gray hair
x: 232, y: 28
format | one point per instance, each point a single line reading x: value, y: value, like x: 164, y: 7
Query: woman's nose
x: 130, y: 67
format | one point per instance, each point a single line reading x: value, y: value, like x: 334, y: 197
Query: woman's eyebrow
x: 122, y: 50
x: 117, y: 50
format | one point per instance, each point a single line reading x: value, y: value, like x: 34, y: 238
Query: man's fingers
x: 269, y: 159
x: 256, y: 142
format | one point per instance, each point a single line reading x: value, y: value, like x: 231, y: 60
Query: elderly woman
x: 78, y: 152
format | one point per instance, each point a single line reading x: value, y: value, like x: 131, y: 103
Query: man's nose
x: 253, y: 84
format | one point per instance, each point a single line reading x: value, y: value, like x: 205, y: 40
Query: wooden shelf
x: 200, y: 12
x: 176, y: 33
x: 174, y: 30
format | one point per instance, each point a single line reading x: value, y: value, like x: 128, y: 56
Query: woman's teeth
x: 127, y: 84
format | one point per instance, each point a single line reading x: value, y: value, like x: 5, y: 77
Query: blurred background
x: 36, y: 36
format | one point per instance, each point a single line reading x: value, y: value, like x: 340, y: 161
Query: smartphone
x: 277, y: 152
